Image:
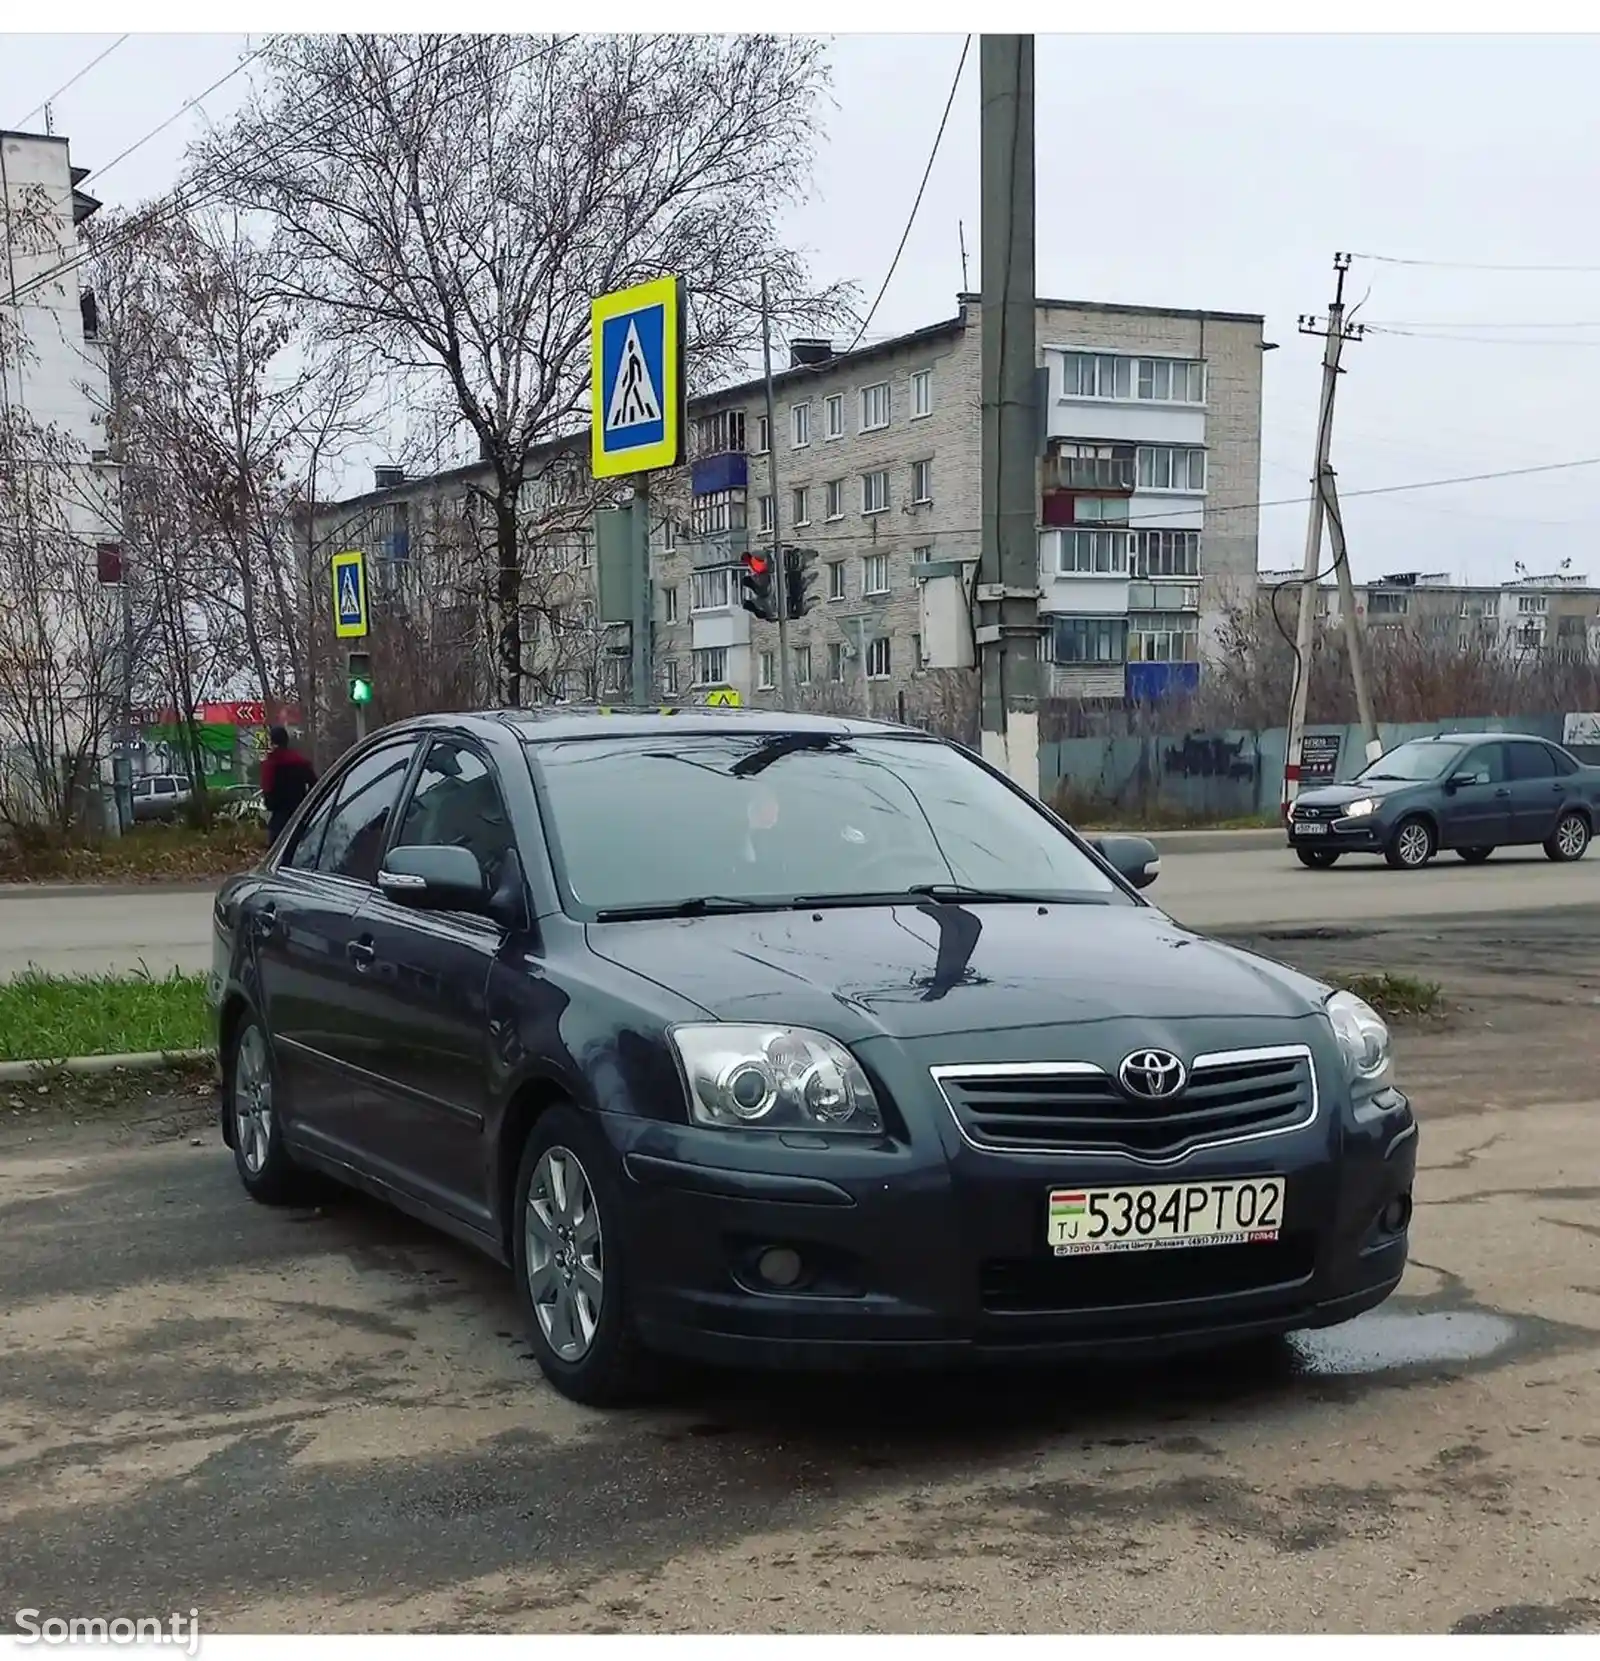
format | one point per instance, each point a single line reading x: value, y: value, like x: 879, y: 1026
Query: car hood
x: 1341, y: 795
x: 917, y: 971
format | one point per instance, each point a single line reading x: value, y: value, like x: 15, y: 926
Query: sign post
x: 637, y: 415
x: 351, y: 621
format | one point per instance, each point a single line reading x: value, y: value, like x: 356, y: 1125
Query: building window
x: 921, y: 556
x: 1100, y: 510
x: 916, y: 652
x: 721, y: 434
x: 669, y: 605
x: 1529, y: 603
x: 833, y: 492
x: 1165, y: 467
x: 721, y: 510
x: 1096, y: 375
x: 835, y: 660
x: 1166, y: 553
x: 875, y: 407
x: 669, y: 675
x: 763, y: 437
x: 709, y: 591
x: 669, y: 536
x: 1171, y: 381
x: 875, y: 491
x: 711, y: 666
x: 764, y: 504
x: 802, y: 666
x: 878, y: 659
x: 1381, y: 604
x: 835, y: 579
x: 922, y: 483
x: 768, y: 672
x: 1090, y: 640
x: 800, y: 426
x: 921, y: 394
x: 802, y: 506
x: 833, y: 416
x: 1092, y: 554
x: 1164, y: 637
x: 875, y: 574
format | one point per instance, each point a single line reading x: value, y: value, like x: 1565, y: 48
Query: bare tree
x: 450, y: 205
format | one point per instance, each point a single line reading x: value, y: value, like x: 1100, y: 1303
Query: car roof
x: 567, y: 721
x: 1482, y: 738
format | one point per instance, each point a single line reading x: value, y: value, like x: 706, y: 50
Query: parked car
x: 1469, y: 792
x: 794, y: 1041
x: 160, y: 796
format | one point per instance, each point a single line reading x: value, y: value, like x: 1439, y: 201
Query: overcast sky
x: 1208, y: 171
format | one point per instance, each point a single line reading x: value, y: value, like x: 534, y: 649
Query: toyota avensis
x: 773, y: 1039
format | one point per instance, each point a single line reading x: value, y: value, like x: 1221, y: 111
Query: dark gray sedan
x: 1469, y: 792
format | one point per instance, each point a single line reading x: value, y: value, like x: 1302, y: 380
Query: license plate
x: 1087, y: 1220
x: 1310, y: 829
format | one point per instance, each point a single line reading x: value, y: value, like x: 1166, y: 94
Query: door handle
x: 361, y: 952
x: 1502, y: 791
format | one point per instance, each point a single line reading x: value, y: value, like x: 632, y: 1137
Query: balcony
x: 1114, y: 473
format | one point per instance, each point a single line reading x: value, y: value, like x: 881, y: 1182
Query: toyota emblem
x: 1151, y: 1075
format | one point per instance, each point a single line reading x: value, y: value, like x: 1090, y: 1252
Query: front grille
x: 1301, y: 813
x: 1082, y: 1110
x: 1062, y: 1285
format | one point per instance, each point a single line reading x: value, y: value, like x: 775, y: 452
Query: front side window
x: 770, y: 816
x: 456, y: 803
x: 353, y: 838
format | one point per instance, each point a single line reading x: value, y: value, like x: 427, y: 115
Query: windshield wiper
x: 945, y: 893
x: 702, y: 905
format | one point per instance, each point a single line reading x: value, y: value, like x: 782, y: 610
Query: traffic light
x: 359, y: 668
x: 799, y: 573
x: 756, y: 588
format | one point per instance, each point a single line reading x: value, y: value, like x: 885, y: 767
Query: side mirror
x: 1452, y: 784
x: 1133, y: 858
x: 435, y: 879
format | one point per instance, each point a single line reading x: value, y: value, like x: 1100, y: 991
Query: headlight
x: 774, y: 1078
x: 1360, y: 810
x: 1363, y: 1043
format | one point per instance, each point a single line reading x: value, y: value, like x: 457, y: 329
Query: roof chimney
x: 807, y: 354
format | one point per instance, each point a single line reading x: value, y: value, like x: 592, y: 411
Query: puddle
x: 1389, y: 1341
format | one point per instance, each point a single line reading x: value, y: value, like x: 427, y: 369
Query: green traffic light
x: 360, y: 690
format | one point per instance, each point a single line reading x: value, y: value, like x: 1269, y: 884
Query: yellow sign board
x: 724, y: 698
x: 350, y: 618
x: 636, y: 403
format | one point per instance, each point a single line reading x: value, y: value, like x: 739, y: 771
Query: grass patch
x: 1395, y: 997
x: 51, y: 1017
x: 148, y: 853
x: 1088, y: 812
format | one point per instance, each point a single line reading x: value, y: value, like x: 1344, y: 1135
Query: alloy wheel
x: 252, y: 1101
x: 565, y: 1253
x: 1572, y: 836
x: 1414, y: 843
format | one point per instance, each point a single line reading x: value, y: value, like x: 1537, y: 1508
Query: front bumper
x: 921, y: 1262
x: 1369, y: 834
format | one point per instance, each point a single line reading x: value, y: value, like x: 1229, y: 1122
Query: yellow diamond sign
x: 724, y: 698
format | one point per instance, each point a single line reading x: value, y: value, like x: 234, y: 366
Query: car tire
x: 571, y: 1264
x: 1571, y: 838
x: 1412, y: 845
x: 250, y: 1078
x: 1318, y: 859
x: 1473, y: 856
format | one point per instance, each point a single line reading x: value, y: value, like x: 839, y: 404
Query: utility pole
x: 780, y: 589
x: 1336, y: 332
x: 1008, y: 583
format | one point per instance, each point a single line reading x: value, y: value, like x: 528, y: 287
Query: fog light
x: 779, y: 1266
x: 1396, y: 1215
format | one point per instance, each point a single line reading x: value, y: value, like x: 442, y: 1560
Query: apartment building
x: 1555, y: 613
x: 1148, y: 523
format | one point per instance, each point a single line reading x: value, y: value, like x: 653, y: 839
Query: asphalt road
x: 1263, y: 885
x: 327, y: 1420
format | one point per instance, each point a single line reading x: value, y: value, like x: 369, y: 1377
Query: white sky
x: 1217, y: 171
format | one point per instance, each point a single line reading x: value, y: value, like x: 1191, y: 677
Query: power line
x: 1468, y: 265
x: 961, y: 63
x: 100, y: 57
x: 1477, y: 340
x: 1474, y: 323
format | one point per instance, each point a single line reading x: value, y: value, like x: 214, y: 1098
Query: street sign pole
x: 644, y: 678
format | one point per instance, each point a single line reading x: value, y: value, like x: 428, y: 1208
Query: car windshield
x: 1420, y: 760
x: 727, y: 820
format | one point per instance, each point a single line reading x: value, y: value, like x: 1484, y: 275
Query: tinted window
x: 143, y: 787
x: 1531, y: 761
x: 657, y: 820
x: 457, y: 803
x: 166, y: 787
x: 1484, y: 765
x: 1565, y: 764
x: 366, y: 797
x: 1419, y: 760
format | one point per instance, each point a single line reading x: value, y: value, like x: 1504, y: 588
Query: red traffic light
x: 757, y: 564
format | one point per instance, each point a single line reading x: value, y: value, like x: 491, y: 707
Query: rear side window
x: 1531, y: 761
x: 1566, y: 765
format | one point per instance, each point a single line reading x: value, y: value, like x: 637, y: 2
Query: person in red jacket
x: 286, y: 780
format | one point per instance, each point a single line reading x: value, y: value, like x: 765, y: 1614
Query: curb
x: 101, y: 890
x: 142, y: 1061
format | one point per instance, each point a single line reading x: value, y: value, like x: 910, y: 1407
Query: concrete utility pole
x: 780, y: 589
x: 1008, y: 580
x: 1322, y: 497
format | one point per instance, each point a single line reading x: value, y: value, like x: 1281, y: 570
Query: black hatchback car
x: 793, y: 1041
x: 1470, y: 792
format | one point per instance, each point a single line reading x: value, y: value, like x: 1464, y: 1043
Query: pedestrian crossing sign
x: 725, y: 697
x: 350, y: 594
x: 637, y: 392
